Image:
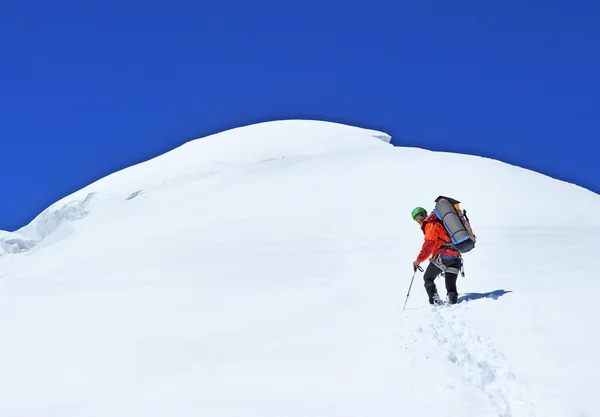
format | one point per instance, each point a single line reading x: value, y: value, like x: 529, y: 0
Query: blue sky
x: 87, y: 88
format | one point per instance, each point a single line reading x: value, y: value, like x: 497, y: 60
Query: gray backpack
x: 456, y: 223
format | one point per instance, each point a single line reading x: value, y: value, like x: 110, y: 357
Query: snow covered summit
x: 231, y: 151
x: 262, y: 270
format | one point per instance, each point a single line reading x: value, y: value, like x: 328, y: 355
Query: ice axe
x: 410, y: 286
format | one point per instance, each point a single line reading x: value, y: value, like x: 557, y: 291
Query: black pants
x: 432, y: 272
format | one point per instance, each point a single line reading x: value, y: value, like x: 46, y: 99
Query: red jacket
x: 435, y: 237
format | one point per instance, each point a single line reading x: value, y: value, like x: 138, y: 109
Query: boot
x: 435, y: 300
x: 452, y: 297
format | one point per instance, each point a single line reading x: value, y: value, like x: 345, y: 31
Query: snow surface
x: 262, y: 272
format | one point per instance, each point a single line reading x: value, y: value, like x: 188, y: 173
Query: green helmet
x: 418, y: 211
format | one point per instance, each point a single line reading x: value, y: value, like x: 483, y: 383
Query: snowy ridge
x: 262, y: 272
x: 196, y: 160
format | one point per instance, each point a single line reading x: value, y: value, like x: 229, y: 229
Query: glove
x: 416, y: 266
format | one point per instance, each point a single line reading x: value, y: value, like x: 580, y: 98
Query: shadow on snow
x: 470, y: 296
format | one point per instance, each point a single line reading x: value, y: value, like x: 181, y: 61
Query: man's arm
x: 428, y: 245
x: 426, y: 250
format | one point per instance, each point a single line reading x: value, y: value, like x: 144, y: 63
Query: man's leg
x: 452, y: 270
x: 430, y: 275
x: 451, y: 287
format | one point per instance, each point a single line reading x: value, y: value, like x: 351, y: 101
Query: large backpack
x: 456, y: 223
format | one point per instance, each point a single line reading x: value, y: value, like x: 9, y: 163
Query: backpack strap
x: 448, y: 245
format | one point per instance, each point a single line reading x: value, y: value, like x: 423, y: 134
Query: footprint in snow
x: 481, y: 365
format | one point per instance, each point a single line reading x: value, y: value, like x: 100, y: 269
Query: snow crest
x: 45, y: 224
x: 196, y: 161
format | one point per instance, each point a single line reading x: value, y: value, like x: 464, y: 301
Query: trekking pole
x: 410, y: 286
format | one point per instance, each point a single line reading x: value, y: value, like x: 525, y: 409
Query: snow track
x: 480, y: 364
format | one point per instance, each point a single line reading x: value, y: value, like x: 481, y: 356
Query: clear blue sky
x: 88, y: 87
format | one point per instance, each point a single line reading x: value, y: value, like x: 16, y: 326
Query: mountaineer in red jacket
x: 443, y: 256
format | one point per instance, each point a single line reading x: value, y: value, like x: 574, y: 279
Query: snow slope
x: 262, y: 272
